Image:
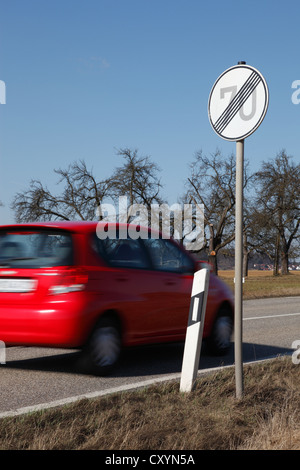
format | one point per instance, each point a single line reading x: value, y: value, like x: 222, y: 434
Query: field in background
x: 260, y: 284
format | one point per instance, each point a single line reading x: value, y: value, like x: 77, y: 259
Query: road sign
x: 237, y: 105
x: 238, y: 102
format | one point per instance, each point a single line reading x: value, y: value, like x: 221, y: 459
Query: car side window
x: 123, y: 253
x: 166, y: 256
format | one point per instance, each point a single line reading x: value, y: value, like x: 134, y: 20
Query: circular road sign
x: 238, y: 102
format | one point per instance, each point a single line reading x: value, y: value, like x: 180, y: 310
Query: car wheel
x: 220, y: 338
x: 104, y: 347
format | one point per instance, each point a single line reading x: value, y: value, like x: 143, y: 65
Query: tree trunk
x: 212, y: 259
x: 245, y: 256
x: 212, y: 254
x: 284, y: 263
x: 245, y: 263
x: 276, y: 259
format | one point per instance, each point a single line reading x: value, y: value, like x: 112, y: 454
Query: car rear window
x: 35, y: 249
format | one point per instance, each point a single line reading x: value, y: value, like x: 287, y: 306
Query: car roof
x: 78, y: 226
x: 81, y: 226
x: 66, y: 225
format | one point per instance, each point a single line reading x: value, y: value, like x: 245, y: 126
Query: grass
x: 161, y: 417
x: 261, y: 284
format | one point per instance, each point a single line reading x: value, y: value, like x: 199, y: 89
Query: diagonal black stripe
x: 245, y: 95
x: 234, y: 100
x: 242, y: 101
x: 243, y: 98
x: 237, y: 102
x: 233, y: 108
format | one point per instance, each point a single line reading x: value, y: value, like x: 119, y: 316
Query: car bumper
x: 59, y: 323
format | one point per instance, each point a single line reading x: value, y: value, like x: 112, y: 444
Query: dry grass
x: 260, y: 284
x: 162, y: 418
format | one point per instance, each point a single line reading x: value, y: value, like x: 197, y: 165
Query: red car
x: 63, y: 284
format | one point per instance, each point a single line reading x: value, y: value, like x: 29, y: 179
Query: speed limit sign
x: 237, y: 105
x: 238, y: 102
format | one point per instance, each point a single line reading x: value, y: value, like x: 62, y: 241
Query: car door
x: 172, y: 273
x: 132, y: 288
x: 149, y: 283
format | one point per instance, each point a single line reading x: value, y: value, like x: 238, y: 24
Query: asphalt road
x: 39, y: 376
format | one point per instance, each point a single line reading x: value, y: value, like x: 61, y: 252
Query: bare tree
x: 137, y: 178
x: 278, y: 202
x: 212, y: 183
x: 81, y: 195
x: 261, y: 236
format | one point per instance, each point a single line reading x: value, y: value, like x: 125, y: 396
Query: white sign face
x: 238, y: 102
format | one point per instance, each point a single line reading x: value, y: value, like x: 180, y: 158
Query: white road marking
x: 66, y: 401
x: 122, y: 388
x: 272, y: 316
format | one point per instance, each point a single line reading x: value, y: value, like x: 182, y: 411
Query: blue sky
x: 85, y: 78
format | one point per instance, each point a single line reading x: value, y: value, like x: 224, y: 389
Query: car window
x: 125, y: 253
x: 22, y: 249
x: 166, y: 256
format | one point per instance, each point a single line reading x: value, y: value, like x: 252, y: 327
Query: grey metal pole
x: 238, y: 327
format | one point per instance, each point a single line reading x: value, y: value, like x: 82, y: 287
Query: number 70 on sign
x: 233, y: 92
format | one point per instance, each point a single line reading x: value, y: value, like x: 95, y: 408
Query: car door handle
x: 170, y: 283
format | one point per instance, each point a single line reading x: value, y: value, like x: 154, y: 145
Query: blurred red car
x: 62, y: 286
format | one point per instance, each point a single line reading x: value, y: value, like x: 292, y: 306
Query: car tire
x: 220, y: 338
x: 104, y: 347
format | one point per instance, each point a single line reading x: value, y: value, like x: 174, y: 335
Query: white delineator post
x: 194, y: 333
x: 2, y: 353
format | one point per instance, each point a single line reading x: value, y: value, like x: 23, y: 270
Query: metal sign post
x: 237, y: 105
x: 238, y: 288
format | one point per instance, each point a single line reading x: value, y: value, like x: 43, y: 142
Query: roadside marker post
x: 237, y: 105
x: 2, y: 352
x: 194, y: 333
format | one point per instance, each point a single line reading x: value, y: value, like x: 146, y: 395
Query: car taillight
x: 71, y: 280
